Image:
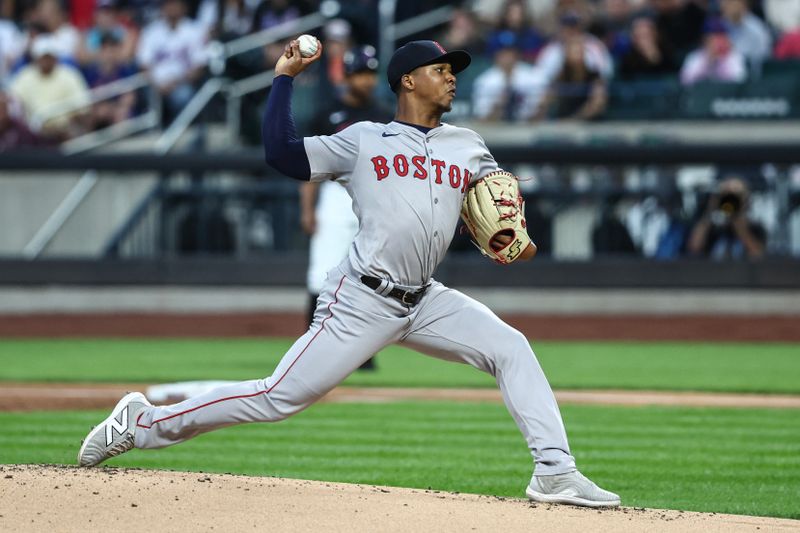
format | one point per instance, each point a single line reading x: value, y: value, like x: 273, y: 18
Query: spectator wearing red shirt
x: 788, y: 46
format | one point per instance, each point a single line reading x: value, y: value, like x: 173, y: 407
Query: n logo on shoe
x: 120, y: 426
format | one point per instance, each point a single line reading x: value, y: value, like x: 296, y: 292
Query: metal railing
x: 152, y: 118
x: 59, y: 216
x: 134, y: 237
x: 392, y: 32
x: 96, y: 95
x: 147, y: 210
x: 84, y: 143
x: 568, y: 175
x: 141, y: 80
x: 188, y: 114
x: 271, y: 35
x: 148, y: 120
x: 86, y: 183
x: 81, y: 190
x: 233, y: 101
x: 234, y: 92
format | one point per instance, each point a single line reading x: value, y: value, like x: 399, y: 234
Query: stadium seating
x: 649, y: 99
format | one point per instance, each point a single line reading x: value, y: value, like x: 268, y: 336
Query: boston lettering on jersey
x: 416, y: 165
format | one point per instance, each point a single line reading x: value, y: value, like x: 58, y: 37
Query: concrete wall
x: 537, y: 301
x: 28, y: 199
x: 104, y: 210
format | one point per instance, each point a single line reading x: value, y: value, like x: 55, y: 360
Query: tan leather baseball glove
x: 494, y: 213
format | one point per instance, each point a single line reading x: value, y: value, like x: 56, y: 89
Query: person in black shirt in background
x: 680, y: 23
x: 326, y: 212
x: 650, y: 55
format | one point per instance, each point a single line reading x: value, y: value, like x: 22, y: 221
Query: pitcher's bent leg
x: 455, y: 327
x: 318, y: 361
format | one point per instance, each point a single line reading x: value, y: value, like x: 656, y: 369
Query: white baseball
x: 308, y: 45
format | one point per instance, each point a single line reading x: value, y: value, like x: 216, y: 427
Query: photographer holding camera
x: 724, y: 231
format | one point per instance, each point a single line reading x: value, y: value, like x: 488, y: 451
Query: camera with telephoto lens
x: 728, y: 207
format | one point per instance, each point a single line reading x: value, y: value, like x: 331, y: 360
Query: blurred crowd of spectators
x: 52, y: 55
x: 721, y: 220
x: 542, y: 58
x: 554, y: 58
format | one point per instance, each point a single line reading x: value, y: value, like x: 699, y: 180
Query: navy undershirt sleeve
x: 283, y: 151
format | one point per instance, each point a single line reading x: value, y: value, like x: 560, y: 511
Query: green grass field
x: 744, y: 461
x: 769, y: 368
x: 722, y: 460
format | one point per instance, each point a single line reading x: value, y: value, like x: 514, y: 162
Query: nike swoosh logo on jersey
x: 384, y: 134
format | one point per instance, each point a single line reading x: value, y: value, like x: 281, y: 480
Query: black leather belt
x: 410, y: 298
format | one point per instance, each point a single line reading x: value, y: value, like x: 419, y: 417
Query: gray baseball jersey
x: 407, y: 187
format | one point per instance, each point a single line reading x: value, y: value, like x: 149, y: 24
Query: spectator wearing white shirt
x: 783, y: 15
x: 46, y: 83
x: 12, y: 45
x: 716, y: 61
x: 748, y: 33
x: 172, y: 52
x: 510, y: 89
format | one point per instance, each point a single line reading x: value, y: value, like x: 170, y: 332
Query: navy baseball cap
x: 360, y: 59
x: 420, y: 53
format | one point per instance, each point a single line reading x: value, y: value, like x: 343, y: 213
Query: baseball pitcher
x: 409, y: 181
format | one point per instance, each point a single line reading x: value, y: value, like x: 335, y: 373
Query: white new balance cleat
x: 571, y: 488
x: 114, y: 435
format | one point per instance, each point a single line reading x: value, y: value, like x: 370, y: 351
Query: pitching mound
x: 59, y: 498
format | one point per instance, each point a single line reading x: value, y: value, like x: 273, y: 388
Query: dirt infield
x: 66, y: 499
x: 55, y: 396
x: 732, y: 328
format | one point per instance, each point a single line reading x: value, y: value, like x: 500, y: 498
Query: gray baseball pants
x: 351, y: 324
